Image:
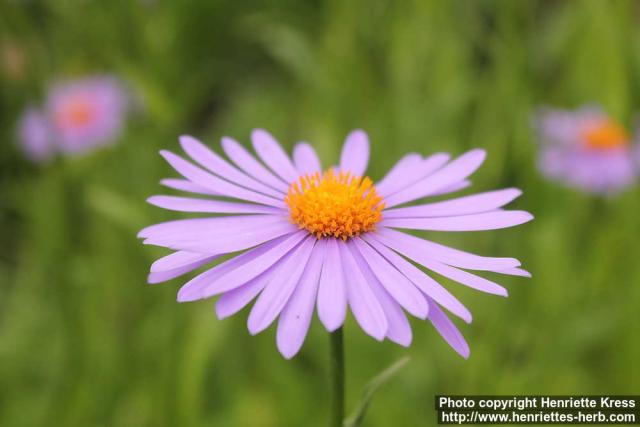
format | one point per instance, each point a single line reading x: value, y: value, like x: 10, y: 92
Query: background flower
x: 586, y: 149
x: 78, y: 116
x: 35, y: 135
x: 86, y: 113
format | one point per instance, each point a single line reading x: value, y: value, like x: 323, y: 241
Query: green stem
x: 336, y: 366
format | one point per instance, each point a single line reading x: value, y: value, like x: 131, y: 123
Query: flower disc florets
x: 605, y: 135
x: 334, y: 205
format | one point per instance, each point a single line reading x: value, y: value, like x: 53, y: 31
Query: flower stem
x: 336, y: 367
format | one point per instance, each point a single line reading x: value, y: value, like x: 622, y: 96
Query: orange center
x: 77, y: 112
x: 334, y: 205
x: 605, y: 135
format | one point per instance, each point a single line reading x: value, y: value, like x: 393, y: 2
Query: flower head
x: 334, y: 204
x: 301, y: 237
x: 78, y: 116
x: 586, y: 149
x: 86, y: 113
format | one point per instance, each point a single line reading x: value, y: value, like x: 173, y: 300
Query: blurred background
x: 84, y: 341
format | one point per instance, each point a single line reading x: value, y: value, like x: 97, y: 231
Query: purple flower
x: 586, y: 149
x: 34, y: 134
x: 86, y: 113
x: 301, y: 238
x: 77, y: 117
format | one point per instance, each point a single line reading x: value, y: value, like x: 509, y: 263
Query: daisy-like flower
x: 86, y: 113
x: 300, y: 237
x: 586, y: 149
x: 78, y: 116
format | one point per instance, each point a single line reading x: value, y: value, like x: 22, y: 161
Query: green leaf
x: 370, y: 389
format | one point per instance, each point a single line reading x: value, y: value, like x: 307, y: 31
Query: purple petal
x: 399, y: 330
x: 447, y: 329
x: 216, y: 164
x: 236, y: 299
x: 408, y: 165
x: 476, y: 203
x: 456, y: 171
x: 272, y: 154
x: 276, y: 294
x: 188, y: 204
x: 425, y: 283
x: 365, y: 306
x: 466, y: 278
x: 355, y: 153
x: 209, y: 181
x: 516, y: 272
x: 332, y: 293
x: 245, y: 161
x: 422, y: 250
x: 177, y: 260
x: 296, y: 316
x: 196, y: 287
x: 452, y: 188
x: 181, y: 228
x: 177, y: 264
x: 163, y: 276
x: 476, y: 222
x: 225, y: 241
x: 306, y: 159
x: 239, y: 270
x: 188, y: 186
x: 398, y: 286
x: 403, y: 177
x: 36, y: 135
x: 452, y: 273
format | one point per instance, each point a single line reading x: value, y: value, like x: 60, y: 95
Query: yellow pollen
x: 605, y: 135
x: 334, y: 205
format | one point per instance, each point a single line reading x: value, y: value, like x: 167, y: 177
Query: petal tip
x: 260, y: 133
x: 187, y: 141
x: 220, y: 313
x: 526, y: 217
x: 167, y: 155
x: 288, y: 353
x: 480, y: 152
x: 227, y: 140
x: 405, y: 341
x: 152, y: 280
x: 359, y: 134
x: 253, y: 325
x: 287, y: 349
x: 142, y: 234
x: 185, y: 296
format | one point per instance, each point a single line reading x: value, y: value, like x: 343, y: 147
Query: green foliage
x: 85, y: 342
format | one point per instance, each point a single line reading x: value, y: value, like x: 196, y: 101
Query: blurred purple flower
x: 78, y: 116
x: 300, y: 238
x: 586, y: 149
x: 87, y: 113
x: 34, y: 133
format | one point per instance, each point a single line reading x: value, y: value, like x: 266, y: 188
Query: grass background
x: 85, y: 342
